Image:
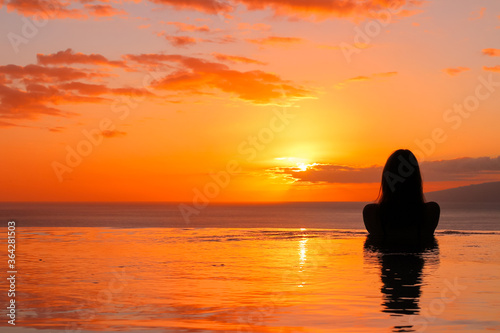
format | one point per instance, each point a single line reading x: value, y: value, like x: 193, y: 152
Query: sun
x: 296, y: 163
x: 302, y: 166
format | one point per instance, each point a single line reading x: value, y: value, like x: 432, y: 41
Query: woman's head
x: 401, y: 179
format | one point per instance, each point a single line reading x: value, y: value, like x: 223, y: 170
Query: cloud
x: 365, y: 78
x: 492, y: 52
x: 56, y: 129
x: 69, y: 57
x: 184, y: 27
x: 453, y: 71
x: 476, y: 15
x: 461, y: 168
x: 31, y: 91
x: 6, y: 123
x: 276, y: 41
x: 331, y: 173
x: 315, y: 10
x: 181, y: 41
x: 323, y: 9
x: 45, y: 99
x: 30, y: 103
x: 3, y: 78
x: 304, y: 9
x: 196, y: 75
x: 206, y: 6
x: 152, y: 59
x: 184, y: 41
x: 34, y: 91
x: 85, y: 88
x: 481, y: 168
x: 492, y: 69
x: 59, y: 9
x: 104, y: 10
x: 223, y: 40
x: 408, y: 13
x: 113, y: 134
x: 358, y: 78
x: 49, y: 9
x: 385, y: 74
x: 43, y: 74
x: 236, y: 59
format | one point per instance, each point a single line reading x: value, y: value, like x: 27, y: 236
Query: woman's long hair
x: 401, y: 180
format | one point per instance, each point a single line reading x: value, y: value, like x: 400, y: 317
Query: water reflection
x: 302, y: 259
x: 401, y: 268
x: 303, y: 251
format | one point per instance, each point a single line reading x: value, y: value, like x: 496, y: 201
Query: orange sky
x: 244, y: 100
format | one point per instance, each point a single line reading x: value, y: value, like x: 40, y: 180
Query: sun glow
x: 296, y: 163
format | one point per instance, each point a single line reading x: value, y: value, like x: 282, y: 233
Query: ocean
x: 323, y: 215
x: 295, y: 267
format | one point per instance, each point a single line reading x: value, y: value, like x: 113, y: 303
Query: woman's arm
x: 371, y: 217
x: 431, y: 214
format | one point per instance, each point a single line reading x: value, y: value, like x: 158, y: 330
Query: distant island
x: 485, y: 192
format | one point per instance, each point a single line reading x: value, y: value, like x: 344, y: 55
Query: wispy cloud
x: 492, y: 52
x: 31, y: 91
x: 453, y: 71
x: 206, y: 6
x: 36, y: 90
x: 236, y: 59
x: 323, y: 9
x: 37, y: 73
x: 59, y: 9
x: 69, y: 57
x: 113, y: 134
x: 98, y: 11
x: 181, y: 41
x: 492, y: 69
x: 364, y: 78
x: 4, y: 123
x: 315, y: 10
x: 195, y: 75
x: 476, y: 15
x: 184, y: 27
x: 385, y: 74
x: 276, y: 41
x: 467, y: 168
x: 56, y: 129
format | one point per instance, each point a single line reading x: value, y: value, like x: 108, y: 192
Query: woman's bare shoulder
x: 372, y: 207
x: 432, y: 207
x: 371, y: 218
x: 432, y: 212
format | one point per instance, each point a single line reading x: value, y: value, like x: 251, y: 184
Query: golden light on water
x: 303, y: 251
x: 302, y: 256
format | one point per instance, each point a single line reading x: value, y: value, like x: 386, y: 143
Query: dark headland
x: 485, y: 192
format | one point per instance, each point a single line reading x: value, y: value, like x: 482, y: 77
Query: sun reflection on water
x: 302, y: 255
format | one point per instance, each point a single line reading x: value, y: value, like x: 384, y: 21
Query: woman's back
x: 401, y: 213
x: 401, y: 222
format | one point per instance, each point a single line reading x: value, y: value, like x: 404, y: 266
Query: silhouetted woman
x: 401, y: 213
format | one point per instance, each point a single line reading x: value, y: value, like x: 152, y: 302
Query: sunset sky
x: 244, y: 100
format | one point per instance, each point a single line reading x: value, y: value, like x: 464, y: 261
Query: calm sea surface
x: 324, y: 215
x: 253, y: 268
